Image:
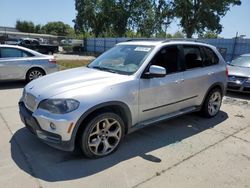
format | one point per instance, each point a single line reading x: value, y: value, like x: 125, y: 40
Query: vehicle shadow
x: 49, y: 164
x: 233, y: 94
x: 11, y: 84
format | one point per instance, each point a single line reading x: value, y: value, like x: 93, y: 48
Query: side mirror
x: 156, y: 71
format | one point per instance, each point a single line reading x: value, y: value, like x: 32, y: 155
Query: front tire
x: 102, y: 135
x: 212, y: 104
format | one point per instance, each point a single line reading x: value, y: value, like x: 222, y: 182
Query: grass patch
x: 68, y: 64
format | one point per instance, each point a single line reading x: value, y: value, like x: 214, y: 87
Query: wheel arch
x: 218, y: 85
x: 117, y: 107
x: 35, y: 67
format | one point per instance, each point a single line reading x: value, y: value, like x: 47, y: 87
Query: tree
x: 163, y: 16
x: 92, y: 16
x: 178, y: 34
x: 119, y: 17
x: 116, y: 17
x: 57, y: 28
x: 25, y: 26
x: 142, y: 18
x: 197, y: 16
x: 208, y: 35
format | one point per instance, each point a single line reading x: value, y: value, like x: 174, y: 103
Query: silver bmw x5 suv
x: 132, y: 85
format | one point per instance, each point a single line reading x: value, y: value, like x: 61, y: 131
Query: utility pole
x: 234, y: 45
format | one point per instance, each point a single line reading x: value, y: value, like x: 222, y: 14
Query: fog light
x: 52, y: 126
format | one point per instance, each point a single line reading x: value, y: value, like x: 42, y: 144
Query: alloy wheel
x: 214, y: 103
x: 34, y: 74
x: 104, y: 136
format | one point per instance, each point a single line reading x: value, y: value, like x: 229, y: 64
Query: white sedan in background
x: 19, y: 63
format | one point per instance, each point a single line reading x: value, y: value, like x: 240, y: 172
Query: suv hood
x: 63, y: 81
x: 238, y: 71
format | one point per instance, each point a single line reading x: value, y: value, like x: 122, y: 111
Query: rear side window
x: 210, y: 58
x: 193, y: 57
x: 15, y: 53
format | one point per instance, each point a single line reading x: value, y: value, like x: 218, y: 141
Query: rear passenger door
x: 199, y: 72
x: 13, y: 63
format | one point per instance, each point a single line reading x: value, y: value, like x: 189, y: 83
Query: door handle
x: 210, y: 73
x: 179, y: 81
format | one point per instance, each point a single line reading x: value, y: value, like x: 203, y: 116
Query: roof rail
x: 144, y: 39
x: 163, y: 40
x: 183, y: 39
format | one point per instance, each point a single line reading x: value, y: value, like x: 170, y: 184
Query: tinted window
x: 210, y: 58
x: 12, y: 52
x: 193, y: 57
x: 168, y: 58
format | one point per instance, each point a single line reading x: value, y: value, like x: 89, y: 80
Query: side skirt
x: 163, y: 118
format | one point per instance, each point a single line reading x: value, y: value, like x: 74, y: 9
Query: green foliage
x: 178, y: 35
x: 58, y: 28
x: 53, y: 28
x: 139, y: 18
x: 209, y: 35
x: 25, y: 26
x: 114, y: 18
x: 197, y: 16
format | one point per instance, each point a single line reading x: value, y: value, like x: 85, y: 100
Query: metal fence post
x: 104, y: 44
x: 234, y: 46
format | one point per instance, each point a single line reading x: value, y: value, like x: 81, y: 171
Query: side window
x: 27, y: 54
x: 193, y: 57
x: 10, y: 52
x: 210, y: 58
x: 15, y: 53
x: 168, y: 58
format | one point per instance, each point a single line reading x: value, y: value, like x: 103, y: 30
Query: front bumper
x: 49, y: 138
x: 238, y: 86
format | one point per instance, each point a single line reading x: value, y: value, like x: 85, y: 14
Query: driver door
x: 160, y: 96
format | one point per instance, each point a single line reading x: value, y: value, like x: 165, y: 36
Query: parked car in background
x: 19, y: 63
x: 133, y: 85
x: 239, y: 74
x: 12, y: 41
x: 77, y: 45
x: 34, y: 44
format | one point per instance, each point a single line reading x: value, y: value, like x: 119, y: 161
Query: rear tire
x: 212, y: 104
x: 34, y: 74
x: 102, y: 135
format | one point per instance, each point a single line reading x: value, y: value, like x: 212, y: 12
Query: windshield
x: 242, y: 61
x: 122, y: 59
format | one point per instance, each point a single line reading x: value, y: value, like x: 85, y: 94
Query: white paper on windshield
x: 142, y: 49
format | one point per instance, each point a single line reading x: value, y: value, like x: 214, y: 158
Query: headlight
x: 59, y: 106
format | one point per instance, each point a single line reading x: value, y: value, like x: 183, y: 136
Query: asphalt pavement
x: 189, y: 151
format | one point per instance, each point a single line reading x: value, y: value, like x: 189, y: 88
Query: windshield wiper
x: 103, y: 69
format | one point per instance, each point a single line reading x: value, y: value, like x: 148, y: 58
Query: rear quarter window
x: 210, y: 58
x: 193, y: 56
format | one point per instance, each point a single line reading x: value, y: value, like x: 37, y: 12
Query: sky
x: 43, y: 11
